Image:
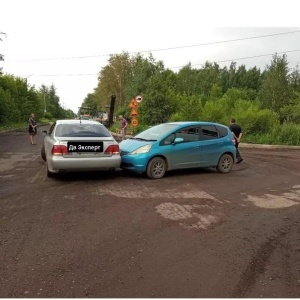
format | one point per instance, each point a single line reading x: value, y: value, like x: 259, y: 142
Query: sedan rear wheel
x: 225, y: 163
x: 43, y: 153
x: 156, y: 168
x: 49, y: 174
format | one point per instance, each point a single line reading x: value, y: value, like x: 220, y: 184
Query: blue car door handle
x: 197, y: 146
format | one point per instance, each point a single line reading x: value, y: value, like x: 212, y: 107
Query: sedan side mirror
x: 44, y: 131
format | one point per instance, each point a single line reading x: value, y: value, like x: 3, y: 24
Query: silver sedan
x: 79, y: 145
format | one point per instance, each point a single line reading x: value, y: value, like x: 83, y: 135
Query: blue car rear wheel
x: 156, y: 168
x: 225, y: 163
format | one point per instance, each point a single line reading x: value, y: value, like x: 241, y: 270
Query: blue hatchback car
x: 179, y: 145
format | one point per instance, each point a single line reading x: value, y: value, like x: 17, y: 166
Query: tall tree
x: 157, y: 105
x: 275, y: 91
x: 142, y: 71
x: 113, y: 79
x: 1, y: 55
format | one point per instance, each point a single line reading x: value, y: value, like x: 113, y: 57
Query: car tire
x: 43, y: 153
x: 49, y: 174
x: 112, y: 172
x: 225, y: 163
x: 156, y: 168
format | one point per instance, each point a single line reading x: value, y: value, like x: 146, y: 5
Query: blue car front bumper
x: 136, y: 163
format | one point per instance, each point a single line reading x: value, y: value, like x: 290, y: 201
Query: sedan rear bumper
x: 59, y: 163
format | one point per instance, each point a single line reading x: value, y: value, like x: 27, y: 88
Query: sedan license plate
x: 85, y: 146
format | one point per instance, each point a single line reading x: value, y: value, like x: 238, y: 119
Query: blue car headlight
x: 143, y: 149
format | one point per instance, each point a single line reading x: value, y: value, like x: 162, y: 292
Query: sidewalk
x: 268, y: 147
x: 21, y: 129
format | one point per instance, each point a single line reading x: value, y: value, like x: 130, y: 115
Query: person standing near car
x: 123, y: 124
x: 32, y: 128
x: 237, y: 134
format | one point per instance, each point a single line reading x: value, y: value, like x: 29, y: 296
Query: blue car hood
x: 131, y: 145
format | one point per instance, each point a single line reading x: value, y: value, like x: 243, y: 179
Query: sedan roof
x: 73, y: 121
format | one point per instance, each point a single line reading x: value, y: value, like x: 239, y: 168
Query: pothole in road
x: 143, y: 192
x: 190, y: 216
x: 277, y: 201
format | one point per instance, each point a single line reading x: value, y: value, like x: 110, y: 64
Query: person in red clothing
x: 237, y: 134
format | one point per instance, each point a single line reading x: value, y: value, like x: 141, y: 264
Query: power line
x: 241, y: 58
x: 160, y: 49
x: 220, y: 61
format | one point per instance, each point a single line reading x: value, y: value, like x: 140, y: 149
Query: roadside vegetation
x: 18, y: 100
x: 266, y: 103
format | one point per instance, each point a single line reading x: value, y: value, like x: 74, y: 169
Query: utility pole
x: 111, y: 110
x: 45, y: 108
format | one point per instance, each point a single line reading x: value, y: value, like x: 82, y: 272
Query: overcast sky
x: 40, y: 31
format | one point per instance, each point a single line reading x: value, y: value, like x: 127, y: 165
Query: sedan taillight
x: 112, y: 149
x: 59, y: 150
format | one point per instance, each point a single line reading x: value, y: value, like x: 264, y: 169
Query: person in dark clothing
x: 32, y: 130
x: 237, y: 134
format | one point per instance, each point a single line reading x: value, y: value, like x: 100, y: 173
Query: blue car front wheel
x: 156, y: 168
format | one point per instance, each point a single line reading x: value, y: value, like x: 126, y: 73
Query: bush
x: 285, y: 134
x: 177, y: 117
x: 48, y: 115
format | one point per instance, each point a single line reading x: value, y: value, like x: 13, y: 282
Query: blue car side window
x: 190, y: 134
x: 209, y: 132
x: 169, y: 140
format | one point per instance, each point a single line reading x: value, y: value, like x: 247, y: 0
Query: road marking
x: 7, y: 176
x: 72, y: 197
x: 33, y: 179
x: 9, y: 162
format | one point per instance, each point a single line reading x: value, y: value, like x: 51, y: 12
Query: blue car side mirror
x: 178, y: 140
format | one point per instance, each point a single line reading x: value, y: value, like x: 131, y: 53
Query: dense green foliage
x: 265, y: 103
x: 1, y: 55
x: 18, y: 100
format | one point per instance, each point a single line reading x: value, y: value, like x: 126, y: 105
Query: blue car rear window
x: 81, y: 130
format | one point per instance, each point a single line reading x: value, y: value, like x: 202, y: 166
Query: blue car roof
x: 186, y: 123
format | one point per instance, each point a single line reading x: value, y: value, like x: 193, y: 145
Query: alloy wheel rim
x: 158, y: 168
x: 226, y: 164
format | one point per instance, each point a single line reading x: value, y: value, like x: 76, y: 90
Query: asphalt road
x: 191, y: 234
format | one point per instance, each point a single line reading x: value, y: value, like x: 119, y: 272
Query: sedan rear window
x: 81, y: 130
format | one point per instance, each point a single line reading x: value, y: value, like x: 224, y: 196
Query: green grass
x: 21, y: 125
x: 285, y: 134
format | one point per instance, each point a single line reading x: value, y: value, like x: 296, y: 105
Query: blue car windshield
x: 156, y: 132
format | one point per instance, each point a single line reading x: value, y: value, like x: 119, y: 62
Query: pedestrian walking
x: 237, y: 134
x: 32, y: 129
x: 123, y: 124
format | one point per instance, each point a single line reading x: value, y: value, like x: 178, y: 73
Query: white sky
x: 47, y: 29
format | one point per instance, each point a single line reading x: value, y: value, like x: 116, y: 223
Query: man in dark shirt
x: 237, y: 134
